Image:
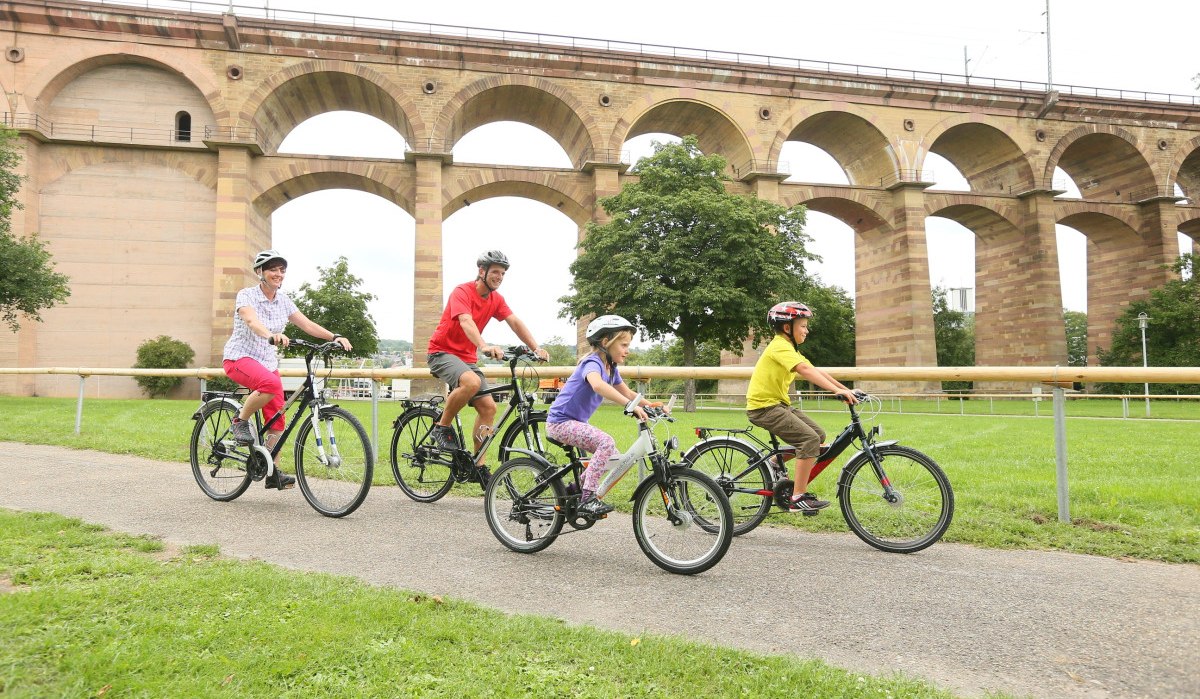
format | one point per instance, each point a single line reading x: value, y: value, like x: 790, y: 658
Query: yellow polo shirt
x: 773, y: 374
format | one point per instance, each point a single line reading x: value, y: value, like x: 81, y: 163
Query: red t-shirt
x: 449, y: 336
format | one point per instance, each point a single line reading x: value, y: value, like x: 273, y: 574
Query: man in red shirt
x: 455, y: 344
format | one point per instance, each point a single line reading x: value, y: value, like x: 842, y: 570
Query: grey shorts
x: 449, y: 368
x: 792, y: 426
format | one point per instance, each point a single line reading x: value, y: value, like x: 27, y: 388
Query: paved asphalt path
x: 972, y: 620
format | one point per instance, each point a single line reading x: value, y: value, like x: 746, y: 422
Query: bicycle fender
x: 720, y: 440
x: 535, y: 456
x: 223, y: 399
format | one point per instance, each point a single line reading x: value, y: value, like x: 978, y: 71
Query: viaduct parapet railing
x: 650, y: 50
x: 1057, y: 377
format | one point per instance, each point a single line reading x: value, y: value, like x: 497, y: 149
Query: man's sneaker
x: 279, y: 480
x: 242, y: 432
x: 594, y: 507
x: 807, y: 502
x: 443, y: 438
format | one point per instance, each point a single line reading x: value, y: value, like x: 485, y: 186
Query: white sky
x: 1101, y: 43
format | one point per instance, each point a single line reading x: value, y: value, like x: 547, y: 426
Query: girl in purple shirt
x: 595, y: 379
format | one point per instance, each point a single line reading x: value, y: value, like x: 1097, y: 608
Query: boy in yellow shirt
x: 769, y: 406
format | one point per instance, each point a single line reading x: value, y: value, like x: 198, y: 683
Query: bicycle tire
x: 916, y: 520
x: 524, y: 525
x: 683, y: 547
x: 419, y: 477
x: 336, y: 486
x: 722, y: 460
x: 218, y: 464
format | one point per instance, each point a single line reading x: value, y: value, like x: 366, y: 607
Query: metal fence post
x: 79, y: 405
x: 1060, y: 454
x: 374, y: 420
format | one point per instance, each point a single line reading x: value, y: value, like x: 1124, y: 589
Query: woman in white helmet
x: 595, y: 378
x: 261, y: 312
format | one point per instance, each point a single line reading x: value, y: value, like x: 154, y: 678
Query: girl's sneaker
x: 806, y: 503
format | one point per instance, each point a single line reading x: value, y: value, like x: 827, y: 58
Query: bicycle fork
x: 333, y: 459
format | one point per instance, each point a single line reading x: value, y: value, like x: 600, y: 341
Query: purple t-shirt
x: 577, y: 400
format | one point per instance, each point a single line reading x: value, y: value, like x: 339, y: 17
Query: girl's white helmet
x: 604, y: 325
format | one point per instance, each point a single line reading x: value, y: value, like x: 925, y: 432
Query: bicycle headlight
x: 672, y: 443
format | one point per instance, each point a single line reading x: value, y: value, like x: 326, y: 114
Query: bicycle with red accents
x: 893, y: 497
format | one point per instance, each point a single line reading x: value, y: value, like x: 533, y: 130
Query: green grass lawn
x: 1134, y: 484
x: 91, y: 613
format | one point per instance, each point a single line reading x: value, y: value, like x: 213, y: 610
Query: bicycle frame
x: 768, y: 451
x: 520, y: 402
x: 307, y: 396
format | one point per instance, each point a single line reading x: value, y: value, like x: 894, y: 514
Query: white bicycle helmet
x: 605, y: 325
x: 492, y: 257
x: 262, y: 258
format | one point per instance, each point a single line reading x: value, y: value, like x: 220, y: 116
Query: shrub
x: 162, y: 353
x: 221, y: 383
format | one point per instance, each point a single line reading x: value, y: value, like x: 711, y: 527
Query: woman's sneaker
x: 279, y: 480
x: 242, y: 432
x: 806, y: 503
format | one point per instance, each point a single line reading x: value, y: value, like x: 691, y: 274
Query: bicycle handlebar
x: 320, y: 348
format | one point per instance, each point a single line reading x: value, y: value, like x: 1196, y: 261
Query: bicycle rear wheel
x: 421, y: 477
x: 728, y: 463
x: 675, y: 538
x: 218, y: 463
x: 524, y: 523
x: 917, y: 513
x: 334, y: 483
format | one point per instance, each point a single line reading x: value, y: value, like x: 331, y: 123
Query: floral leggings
x: 592, y: 439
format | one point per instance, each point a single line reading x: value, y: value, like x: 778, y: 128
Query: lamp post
x: 1143, y: 321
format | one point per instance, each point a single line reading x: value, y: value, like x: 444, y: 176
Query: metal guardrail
x: 906, y: 176
x: 751, y: 60
x: 100, y: 133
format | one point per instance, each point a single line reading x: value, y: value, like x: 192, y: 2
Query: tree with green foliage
x: 561, y: 354
x: 671, y: 354
x: 1172, y: 335
x: 163, y: 352
x: 1076, y: 324
x: 29, y: 282
x: 954, y: 333
x: 682, y: 256
x: 337, y: 305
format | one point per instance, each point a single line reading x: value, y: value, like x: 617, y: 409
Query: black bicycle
x: 681, y: 517
x: 895, y: 498
x: 426, y: 473
x: 334, y: 458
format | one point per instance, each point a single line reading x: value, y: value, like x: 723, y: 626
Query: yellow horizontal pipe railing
x: 1048, y: 375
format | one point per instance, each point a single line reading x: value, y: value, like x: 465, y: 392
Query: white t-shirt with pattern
x: 273, y: 314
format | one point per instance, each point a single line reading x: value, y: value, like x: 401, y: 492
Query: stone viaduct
x: 151, y: 155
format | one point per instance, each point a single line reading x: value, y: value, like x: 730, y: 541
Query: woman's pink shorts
x: 254, y: 376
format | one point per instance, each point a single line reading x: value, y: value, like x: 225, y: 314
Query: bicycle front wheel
x: 684, y: 527
x: 728, y: 462
x: 218, y: 463
x: 913, y: 516
x: 529, y: 434
x: 334, y: 462
x: 522, y: 521
x: 418, y: 474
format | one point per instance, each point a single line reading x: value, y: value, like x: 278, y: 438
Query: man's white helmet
x: 266, y: 256
x: 605, y: 325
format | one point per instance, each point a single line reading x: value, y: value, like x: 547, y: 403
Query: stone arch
x: 1185, y: 169
x: 530, y: 185
x: 198, y: 166
x: 849, y: 134
x: 540, y: 103
x: 1189, y: 225
x: 1117, y: 272
x: 716, y: 131
x: 61, y: 71
x: 847, y: 205
x: 280, y: 193
x: 983, y: 150
x: 298, y: 92
x: 1106, y: 161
